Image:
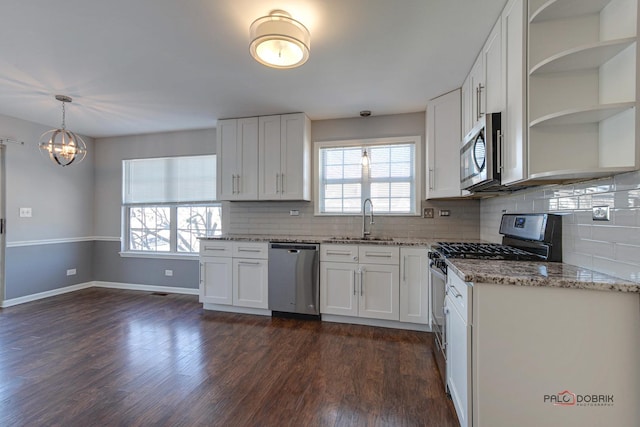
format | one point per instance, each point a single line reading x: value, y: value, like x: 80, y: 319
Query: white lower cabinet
x: 338, y: 288
x: 379, y: 292
x: 458, y: 333
x: 234, y: 274
x: 349, y: 288
x: 216, y: 280
x: 250, y: 283
x: 414, y: 285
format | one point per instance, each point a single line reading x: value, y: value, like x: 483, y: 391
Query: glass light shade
x: 278, y: 41
x: 63, y: 147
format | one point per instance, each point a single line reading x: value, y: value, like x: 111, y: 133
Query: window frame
x: 173, y: 206
x: 173, y: 230
x: 370, y: 142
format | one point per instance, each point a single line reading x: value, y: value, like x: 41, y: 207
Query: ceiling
x: 141, y: 66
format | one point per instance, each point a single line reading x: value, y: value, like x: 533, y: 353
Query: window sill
x: 159, y: 255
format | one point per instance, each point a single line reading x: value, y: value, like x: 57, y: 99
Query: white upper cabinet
x: 443, y: 146
x: 237, y: 159
x: 473, y: 94
x: 284, y: 144
x: 583, y: 88
x: 494, y: 92
x: 514, y: 127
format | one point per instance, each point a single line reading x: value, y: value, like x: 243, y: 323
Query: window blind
x: 190, y: 179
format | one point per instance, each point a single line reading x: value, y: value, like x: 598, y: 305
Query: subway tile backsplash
x: 611, y: 247
x: 274, y: 218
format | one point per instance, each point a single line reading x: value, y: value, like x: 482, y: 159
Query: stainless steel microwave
x: 480, y: 155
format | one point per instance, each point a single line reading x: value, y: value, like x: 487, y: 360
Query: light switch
x: 25, y: 212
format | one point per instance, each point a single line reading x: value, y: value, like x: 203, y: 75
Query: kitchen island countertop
x: 546, y: 274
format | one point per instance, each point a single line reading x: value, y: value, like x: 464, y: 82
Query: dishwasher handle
x: 294, y: 247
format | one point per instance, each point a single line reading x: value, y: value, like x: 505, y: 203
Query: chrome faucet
x: 364, y: 209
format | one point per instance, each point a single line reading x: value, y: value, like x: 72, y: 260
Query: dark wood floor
x: 125, y: 358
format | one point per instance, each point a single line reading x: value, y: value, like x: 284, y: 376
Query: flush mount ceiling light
x: 61, y: 145
x: 279, y: 41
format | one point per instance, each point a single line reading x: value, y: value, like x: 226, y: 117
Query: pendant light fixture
x: 279, y: 41
x: 62, y: 146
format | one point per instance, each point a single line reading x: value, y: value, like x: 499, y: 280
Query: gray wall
x: 62, y: 203
x: 611, y: 247
x: 109, y: 266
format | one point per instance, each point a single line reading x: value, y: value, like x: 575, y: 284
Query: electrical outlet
x: 294, y: 212
x: 428, y: 213
x: 71, y: 272
x: 168, y: 273
x: 445, y: 212
x: 25, y: 213
x: 600, y: 213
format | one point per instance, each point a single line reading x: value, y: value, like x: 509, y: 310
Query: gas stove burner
x: 494, y: 251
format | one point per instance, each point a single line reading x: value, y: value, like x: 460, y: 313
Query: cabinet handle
x: 277, y: 183
x: 249, y: 250
x: 201, y: 272
x: 432, y: 178
x: 404, y: 271
x: 338, y: 253
x: 361, y: 281
x: 249, y: 263
x: 454, y: 291
x: 480, y: 112
x: 499, y: 144
x: 214, y: 249
x: 282, y: 183
x: 377, y: 255
x: 354, y: 282
x: 238, y: 178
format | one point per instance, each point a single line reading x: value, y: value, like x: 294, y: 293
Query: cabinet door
x: 295, y: 157
x: 269, y: 157
x: 493, y: 99
x: 414, y: 285
x: 466, y: 98
x: 379, y: 292
x: 247, y: 155
x: 477, y: 89
x: 443, y: 146
x: 458, y: 361
x: 250, y: 278
x: 215, y: 280
x: 514, y: 141
x: 338, y: 292
x: 227, y: 131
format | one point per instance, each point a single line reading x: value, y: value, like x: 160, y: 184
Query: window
x: 168, y: 203
x: 389, y: 179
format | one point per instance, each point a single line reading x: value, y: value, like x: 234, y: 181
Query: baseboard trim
x: 111, y: 285
x: 147, y: 288
x: 46, y: 294
x: 375, y: 322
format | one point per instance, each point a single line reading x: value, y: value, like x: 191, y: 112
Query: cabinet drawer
x: 219, y: 248
x: 460, y: 294
x: 378, y: 254
x: 339, y: 253
x: 253, y: 250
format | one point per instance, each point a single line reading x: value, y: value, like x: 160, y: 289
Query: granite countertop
x: 524, y: 273
x: 388, y: 241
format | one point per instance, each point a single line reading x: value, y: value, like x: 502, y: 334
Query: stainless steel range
x: 525, y: 237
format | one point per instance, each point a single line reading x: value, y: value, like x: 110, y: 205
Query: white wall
x: 61, y: 198
x: 611, y: 247
x: 109, y: 153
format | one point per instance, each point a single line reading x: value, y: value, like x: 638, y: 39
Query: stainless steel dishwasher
x: 294, y: 279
